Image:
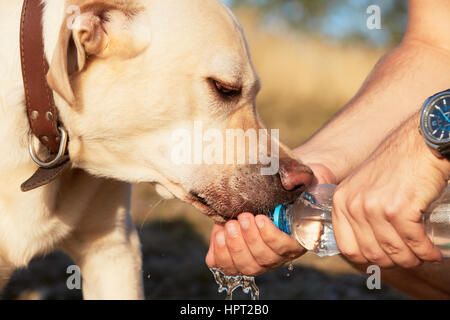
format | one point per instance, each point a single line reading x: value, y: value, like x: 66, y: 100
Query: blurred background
x: 312, y: 56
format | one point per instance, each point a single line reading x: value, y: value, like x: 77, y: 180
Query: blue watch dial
x: 436, y: 120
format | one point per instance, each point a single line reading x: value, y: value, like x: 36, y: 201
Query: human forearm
x: 395, y: 90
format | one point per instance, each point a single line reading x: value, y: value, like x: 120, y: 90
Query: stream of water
x: 231, y: 283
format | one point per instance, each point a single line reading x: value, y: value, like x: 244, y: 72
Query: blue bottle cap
x: 281, y: 219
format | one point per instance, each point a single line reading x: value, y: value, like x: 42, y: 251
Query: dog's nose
x: 294, y: 175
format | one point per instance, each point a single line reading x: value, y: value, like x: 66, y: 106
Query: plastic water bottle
x: 308, y: 220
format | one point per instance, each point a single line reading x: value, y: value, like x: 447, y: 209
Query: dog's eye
x: 226, y: 90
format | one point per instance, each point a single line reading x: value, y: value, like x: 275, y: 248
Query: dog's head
x: 164, y: 91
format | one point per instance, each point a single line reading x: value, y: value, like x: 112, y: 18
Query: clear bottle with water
x: 308, y: 220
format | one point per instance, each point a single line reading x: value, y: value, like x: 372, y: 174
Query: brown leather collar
x: 41, y: 111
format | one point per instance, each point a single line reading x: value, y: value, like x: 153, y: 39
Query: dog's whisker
x: 149, y: 212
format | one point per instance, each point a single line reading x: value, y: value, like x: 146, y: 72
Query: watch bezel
x: 424, y: 119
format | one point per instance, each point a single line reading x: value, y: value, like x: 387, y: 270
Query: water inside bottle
x: 313, y: 227
x: 437, y: 224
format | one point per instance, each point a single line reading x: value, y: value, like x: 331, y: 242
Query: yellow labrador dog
x: 126, y: 75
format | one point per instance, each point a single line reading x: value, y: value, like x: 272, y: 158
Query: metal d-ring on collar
x: 59, y: 156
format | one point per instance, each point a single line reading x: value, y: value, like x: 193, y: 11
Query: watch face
x: 436, y: 119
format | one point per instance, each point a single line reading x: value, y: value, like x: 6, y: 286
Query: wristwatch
x: 435, y: 123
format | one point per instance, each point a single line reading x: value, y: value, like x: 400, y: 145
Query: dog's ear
x: 85, y: 29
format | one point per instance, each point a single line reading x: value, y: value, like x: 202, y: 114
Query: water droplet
x: 290, y: 269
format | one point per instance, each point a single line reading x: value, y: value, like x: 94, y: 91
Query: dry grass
x: 305, y: 81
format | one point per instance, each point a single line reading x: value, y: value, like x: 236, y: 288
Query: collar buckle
x: 61, y: 150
